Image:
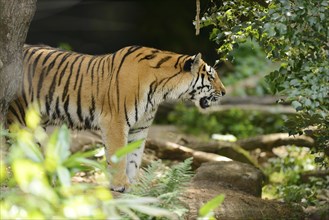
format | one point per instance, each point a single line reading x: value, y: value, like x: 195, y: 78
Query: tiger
x: 116, y: 93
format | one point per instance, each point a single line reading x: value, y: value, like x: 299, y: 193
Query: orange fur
x: 117, y: 93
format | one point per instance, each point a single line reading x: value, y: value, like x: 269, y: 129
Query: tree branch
x: 264, y: 142
x: 173, y: 151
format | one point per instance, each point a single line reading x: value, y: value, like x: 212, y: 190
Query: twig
x: 197, y: 18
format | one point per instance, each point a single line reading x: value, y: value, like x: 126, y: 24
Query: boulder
x: 241, y: 185
x: 231, y: 175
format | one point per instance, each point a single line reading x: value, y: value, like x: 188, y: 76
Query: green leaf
x: 209, y: 207
x: 90, y: 163
x: 296, y: 104
x: 57, y: 148
x: 64, y: 143
x: 64, y: 176
x: 3, y: 172
x: 153, y: 211
x: 282, y: 28
x: 31, y: 178
x: 119, y: 154
x: 28, y: 147
x: 128, y: 212
x: 32, y: 117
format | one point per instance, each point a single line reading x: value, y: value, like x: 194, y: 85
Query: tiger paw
x: 120, y: 184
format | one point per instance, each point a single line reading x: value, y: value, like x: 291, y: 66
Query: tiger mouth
x: 204, y: 103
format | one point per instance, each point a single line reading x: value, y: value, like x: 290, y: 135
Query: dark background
x: 98, y: 27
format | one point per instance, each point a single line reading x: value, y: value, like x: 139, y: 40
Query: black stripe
x: 64, y: 58
x: 183, y: 93
x: 202, y: 79
x: 103, y: 67
x: 168, y: 79
x: 24, y: 97
x: 130, y: 51
x: 155, y: 51
x: 47, y: 104
x: 108, y: 61
x: 163, y: 60
x: 40, y: 82
x: 66, y: 87
x: 30, y: 79
x: 51, y: 65
x: 150, y: 94
x: 112, y: 62
x: 136, y: 110
x: 26, y: 50
x: 48, y: 56
x: 89, y: 63
x: 52, y: 90
x: 177, y: 61
x: 13, y: 111
x: 78, y: 74
x: 166, y: 94
x: 54, y: 79
x: 60, y: 64
x: 148, y: 57
x: 66, y: 110
x: 31, y: 54
x: 126, y: 114
x: 134, y: 162
x: 99, y: 65
x: 93, y: 72
x: 87, y: 124
x: 138, y: 55
x: 35, y: 63
x: 62, y: 74
x: 58, y: 113
x: 79, y: 101
x: 20, y: 109
x: 196, y: 80
x: 98, y: 76
x: 92, y: 109
x: 137, y: 130
x: 23, y: 87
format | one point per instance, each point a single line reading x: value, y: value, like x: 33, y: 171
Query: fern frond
x: 165, y: 184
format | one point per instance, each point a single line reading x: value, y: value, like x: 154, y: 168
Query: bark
x: 173, y: 151
x: 15, y: 18
x: 264, y: 142
x: 270, y: 141
x: 305, y: 177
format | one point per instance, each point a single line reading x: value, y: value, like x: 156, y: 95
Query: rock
x: 319, y: 212
x: 238, y: 205
x: 241, y: 185
x: 231, y: 175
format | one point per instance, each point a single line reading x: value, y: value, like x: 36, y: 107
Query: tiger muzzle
x: 204, y: 102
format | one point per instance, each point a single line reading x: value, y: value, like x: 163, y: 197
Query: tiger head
x: 206, y: 87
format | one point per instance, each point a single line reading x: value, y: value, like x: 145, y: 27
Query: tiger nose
x: 223, y: 93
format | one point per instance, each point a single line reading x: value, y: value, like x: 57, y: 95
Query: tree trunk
x: 15, y: 18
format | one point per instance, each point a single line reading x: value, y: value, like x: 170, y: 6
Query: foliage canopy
x: 294, y: 33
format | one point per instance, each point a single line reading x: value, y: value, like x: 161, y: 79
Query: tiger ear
x: 193, y: 63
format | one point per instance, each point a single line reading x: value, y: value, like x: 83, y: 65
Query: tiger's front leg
x: 115, y: 137
x: 134, y: 160
x: 137, y: 132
